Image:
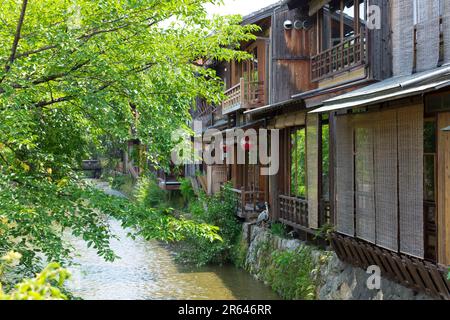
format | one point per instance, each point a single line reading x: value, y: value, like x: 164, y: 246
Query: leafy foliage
x: 148, y: 193
x: 187, y: 192
x: 218, y: 210
x: 34, y: 212
x: 80, y: 65
x: 44, y: 286
x: 278, y: 229
x: 298, y: 165
x: 239, y: 252
x: 72, y: 75
x: 290, y: 273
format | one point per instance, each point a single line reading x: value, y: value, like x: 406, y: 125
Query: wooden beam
x: 443, y: 182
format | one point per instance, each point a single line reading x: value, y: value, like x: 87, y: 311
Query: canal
x: 147, y: 270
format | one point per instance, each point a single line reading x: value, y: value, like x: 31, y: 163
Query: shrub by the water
x: 148, y: 193
x: 291, y: 273
x: 218, y: 210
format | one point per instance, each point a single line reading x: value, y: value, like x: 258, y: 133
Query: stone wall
x: 336, y: 280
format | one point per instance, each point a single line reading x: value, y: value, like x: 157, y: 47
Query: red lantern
x: 246, y: 143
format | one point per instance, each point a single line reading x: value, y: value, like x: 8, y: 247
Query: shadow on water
x: 147, y: 270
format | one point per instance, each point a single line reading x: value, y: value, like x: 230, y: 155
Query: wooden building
x: 360, y: 92
x: 390, y: 153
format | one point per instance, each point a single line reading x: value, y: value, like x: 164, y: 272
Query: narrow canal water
x: 147, y: 270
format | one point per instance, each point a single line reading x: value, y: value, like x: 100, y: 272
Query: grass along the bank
x: 291, y: 273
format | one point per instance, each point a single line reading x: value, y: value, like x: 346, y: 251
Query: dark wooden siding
x: 290, y: 56
x: 379, y: 42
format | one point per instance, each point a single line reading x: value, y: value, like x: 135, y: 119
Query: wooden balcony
x: 244, y: 95
x: 294, y: 213
x: 347, y: 55
x: 248, y: 203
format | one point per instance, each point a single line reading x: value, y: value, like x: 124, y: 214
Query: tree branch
x: 43, y: 104
x: 12, y: 57
x: 88, y: 36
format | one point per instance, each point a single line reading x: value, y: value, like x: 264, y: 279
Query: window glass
x: 325, y: 28
x: 349, y: 19
x: 298, y: 163
x: 339, y: 20
x: 429, y: 177
x: 335, y: 27
x: 325, y: 162
x: 430, y: 137
x: 429, y: 161
x: 362, y: 13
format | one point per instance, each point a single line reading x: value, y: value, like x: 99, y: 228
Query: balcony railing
x: 294, y: 212
x: 244, y: 95
x: 343, y: 57
x: 248, y: 202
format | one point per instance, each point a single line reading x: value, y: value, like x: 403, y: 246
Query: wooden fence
x: 417, y: 274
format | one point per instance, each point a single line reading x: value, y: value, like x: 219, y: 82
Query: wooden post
x: 242, y: 88
x: 274, y: 204
x: 331, y: 166
x: 443, y: 190
x: 243, y: 200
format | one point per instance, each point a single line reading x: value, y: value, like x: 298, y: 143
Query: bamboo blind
x: 446, y: 29
x: 410, y: 166
x: 344, y: 176
x: 386, y: 182
x: 402, y: 37
x: 428, y: 35
x: 364, y: 176
x: 379, y: 178
x: 312, y: 154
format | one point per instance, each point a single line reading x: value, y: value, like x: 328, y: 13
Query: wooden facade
x: 377, y: 173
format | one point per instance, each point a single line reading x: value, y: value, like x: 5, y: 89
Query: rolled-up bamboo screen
x: 344, y: 176
x: 410, y: 172
x: 312, y: 156
x: 386, y: 195
x: 428, y: 35
x: 364, y: 174
x: 402, y: 37
x: 290, y: 120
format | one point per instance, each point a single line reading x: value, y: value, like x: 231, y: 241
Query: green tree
x: 71, y: 74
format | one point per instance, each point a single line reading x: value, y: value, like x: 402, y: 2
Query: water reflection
x: 147, y: 270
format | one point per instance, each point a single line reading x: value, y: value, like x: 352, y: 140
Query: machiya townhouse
x: 359, y: 93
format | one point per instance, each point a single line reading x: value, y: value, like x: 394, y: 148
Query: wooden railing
x: 244, y: 95
x: 343, y: 57
x: 207, y: 114
x: 294, y: 212
x: 247, y: 202
x: 414, y: 273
